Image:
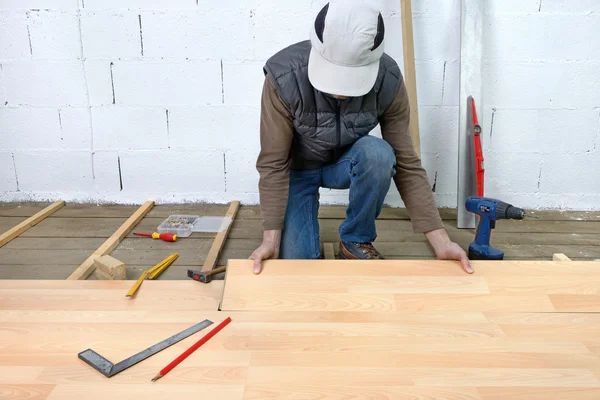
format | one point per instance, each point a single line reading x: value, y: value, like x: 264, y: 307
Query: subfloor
x: 55, y: 247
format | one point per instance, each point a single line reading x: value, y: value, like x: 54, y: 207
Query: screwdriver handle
x: 167, y: 237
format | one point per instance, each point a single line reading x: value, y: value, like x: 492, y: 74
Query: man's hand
x: 269, y: 249
x: 445, y: 249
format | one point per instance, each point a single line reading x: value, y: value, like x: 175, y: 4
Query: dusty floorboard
x: 55, y: 247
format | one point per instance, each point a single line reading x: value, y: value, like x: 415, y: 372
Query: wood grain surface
x: 330, y: 329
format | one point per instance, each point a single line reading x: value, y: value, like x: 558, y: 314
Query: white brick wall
x: 95, y: 93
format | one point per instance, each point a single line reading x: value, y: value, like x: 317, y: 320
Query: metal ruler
x: 108, y: 369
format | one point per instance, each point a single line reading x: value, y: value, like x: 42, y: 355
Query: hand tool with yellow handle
x: 152, y: 273
x: 167, y: 237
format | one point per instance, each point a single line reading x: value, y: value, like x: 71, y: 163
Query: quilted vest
x: 323, y: 125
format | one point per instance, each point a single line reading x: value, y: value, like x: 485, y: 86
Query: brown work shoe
x: 359, y: 251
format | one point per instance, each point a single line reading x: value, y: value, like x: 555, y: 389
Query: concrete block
x: 438, y: 128
x: 522, y: 37
x: 15, y: 36
x: 393, y: 38
x: 429, y: 7
x: 243, y: 83
x: 429, y: 76
x: 275, y: 29
x: 541, y: 84
x: 100, y: 84
x: 187, y: 172
x: 451, y: 84
x: 55, y: 34
x: 571, y: 6
x: 167, y: 83
x: 139, y: 4
x: 187, y: 34
x: 511, y: 172
x: 512, y: 6
x: 436, y: 38
x: 109, y: 268
x: 241, y: 175
x: 8, y: 178
x: 107, y: 171
x: 109, y: 34
x: 45, y: 171
x: 76, y: 131
x: 220, y: 127
x: 60, y: 83
x: 129, y: 128
x: 531, y: 130
x: 3, y: 100
x: 570, y: 173
x: 38, y: 4
x: 29, y: 128
x: 442, y: 171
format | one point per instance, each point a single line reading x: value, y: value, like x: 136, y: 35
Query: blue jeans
x: 366, y: 168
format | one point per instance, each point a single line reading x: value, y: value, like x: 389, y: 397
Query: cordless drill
x: 489, y: 210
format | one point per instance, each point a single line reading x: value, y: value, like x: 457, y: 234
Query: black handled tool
x: 205, y: 277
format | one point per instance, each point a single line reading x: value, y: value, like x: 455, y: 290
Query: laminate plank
x: 22, y: 392
x: 523, y: 377
x: 307, y: 391
x: 393, y: 284
x: 19, y: 375
x: 147, y: 391
x: 142, y: 373
x: 153, y: 316
x: 310, y: 302
x: 575, y: 302
x: 411, y: 359
x: 530, y: 302
x: 538, y: 393
x: 241, y: 269
x: 549, y: 284
x: 385, y: 344
x: 319, y: 375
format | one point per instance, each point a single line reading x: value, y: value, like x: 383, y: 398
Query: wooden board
x: 217, y: 245
x: 327, y: 285
x: 86, y: 268
x: 408, y: 48
x: 29, y: 222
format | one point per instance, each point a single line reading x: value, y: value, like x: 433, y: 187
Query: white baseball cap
x: 347, y: 43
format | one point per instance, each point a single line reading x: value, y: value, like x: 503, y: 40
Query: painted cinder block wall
x: 128, y: 100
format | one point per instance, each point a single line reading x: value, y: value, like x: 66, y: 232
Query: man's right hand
x: 269, y: 249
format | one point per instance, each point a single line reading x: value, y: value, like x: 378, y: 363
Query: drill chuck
x: 508, y: 211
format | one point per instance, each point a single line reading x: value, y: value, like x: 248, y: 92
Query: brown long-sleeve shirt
x: 274, y: 160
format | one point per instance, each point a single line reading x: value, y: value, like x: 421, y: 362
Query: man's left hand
x: 445, y: 249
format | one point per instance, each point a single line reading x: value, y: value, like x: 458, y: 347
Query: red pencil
x: 192, y: 348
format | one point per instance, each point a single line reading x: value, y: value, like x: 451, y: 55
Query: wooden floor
x: 418, y: 330
x: 55, y: 247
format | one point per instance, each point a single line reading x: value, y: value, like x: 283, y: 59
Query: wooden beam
x: 328, y: 251
x: 560, y: 257
x: 29, y: 222
x: 87, y: 267
x: 410, y: 78
x: 217, y: 246
x: 109, y: 268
